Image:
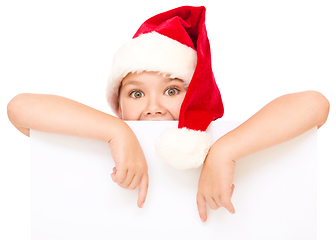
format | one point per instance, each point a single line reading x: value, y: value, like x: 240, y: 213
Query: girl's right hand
x: 56, y: 114
x: 130, y: 168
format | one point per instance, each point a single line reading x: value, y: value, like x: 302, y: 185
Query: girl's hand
x: 282, y: 119
x: 215, y: 186
x: 55, y: 114
x: 130, y: 168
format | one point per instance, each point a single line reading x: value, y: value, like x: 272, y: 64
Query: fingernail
x: 202, y: 219
x: 232, y: 212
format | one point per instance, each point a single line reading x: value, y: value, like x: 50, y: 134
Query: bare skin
x: 55, y: 114
x: 279, y: 121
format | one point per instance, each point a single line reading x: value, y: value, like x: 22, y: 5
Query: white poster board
x: 73, y: 196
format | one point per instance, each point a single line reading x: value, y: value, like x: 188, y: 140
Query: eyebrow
x: 132, y: 82
x: 173, y: 79
x: 135, y: 82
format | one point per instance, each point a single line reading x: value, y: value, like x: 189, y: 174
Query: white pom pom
x: 183, y: 148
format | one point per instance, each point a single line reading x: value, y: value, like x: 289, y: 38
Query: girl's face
x: 150, y: 96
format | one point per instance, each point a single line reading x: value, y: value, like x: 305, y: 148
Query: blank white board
x: 73, y: 196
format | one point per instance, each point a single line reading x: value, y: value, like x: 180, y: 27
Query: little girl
x: 164, y: 73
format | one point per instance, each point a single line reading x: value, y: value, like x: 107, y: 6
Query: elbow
x: 15, y: 110
x: 15, y: 106
x: 320, y: 107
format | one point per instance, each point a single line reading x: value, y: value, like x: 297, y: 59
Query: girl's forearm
x: 55, y: 114
x: 281, y: 120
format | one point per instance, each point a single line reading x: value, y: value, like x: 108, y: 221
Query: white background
x: 260, y: 50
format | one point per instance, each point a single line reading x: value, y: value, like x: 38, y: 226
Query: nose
x: 154, y: 107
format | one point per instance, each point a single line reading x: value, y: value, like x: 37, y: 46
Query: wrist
x: 225, y: 150
x: 122, y: 133
x: 118, y: 130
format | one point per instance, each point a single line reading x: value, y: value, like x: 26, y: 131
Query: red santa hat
x: 175, y: 43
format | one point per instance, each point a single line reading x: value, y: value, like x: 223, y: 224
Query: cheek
x: 176, y: 107
x: 129, y: 111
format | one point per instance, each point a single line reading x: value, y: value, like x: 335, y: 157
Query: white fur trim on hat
x: 183, y: 148
x: 150, y: 52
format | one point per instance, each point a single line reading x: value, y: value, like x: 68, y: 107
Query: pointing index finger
x: 143, y: 188
x: 201, y: 206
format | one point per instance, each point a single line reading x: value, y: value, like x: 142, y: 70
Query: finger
x: 120, y: 175
x: 143, y: 188
x: 212, y: 203
x: 232, y: 189
x: 226, y: 203
x: 201, y: 206
x: 135, y: 182
x: 218, y: 201
x: 128, y: 179
x: 229, y: 205
x: 218, y: 198
x: 113, y: 174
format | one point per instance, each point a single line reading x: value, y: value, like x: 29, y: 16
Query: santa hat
x: 175, y: 43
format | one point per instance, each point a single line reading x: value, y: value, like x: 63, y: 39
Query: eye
x: 136, y: 94
x: 172, y: 91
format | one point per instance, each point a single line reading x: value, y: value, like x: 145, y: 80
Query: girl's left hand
x: 215, y: 186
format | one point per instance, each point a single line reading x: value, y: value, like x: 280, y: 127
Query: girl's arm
x: 55, y: 114
x: 281, y: 120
